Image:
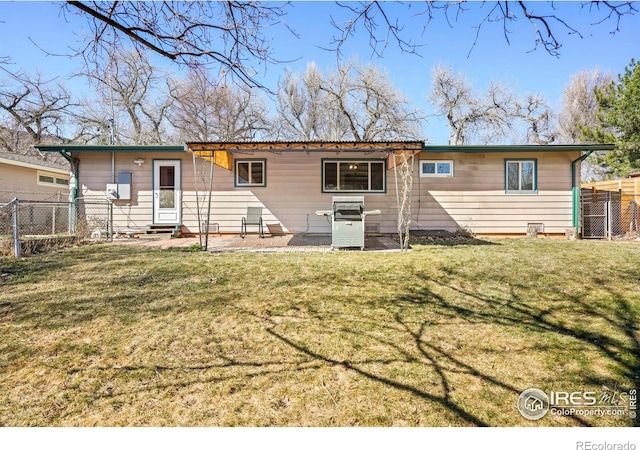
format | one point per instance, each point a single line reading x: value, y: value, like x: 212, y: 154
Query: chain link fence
x: 28, y: 226
x: 608, y: 214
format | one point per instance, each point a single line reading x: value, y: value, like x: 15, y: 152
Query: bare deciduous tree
x: 538, y: 118
x: 303, y: 110
x: 233, y: 34
x: 471, y: 116
x: 579, y: 107
x: 35, y: 107
x: 133, y: 95
x: 373, y: 108
x: 230, y: 33
x: 495, y: 116
x: 353, y: 103
x: 383, y: 21
x: 205, y: 110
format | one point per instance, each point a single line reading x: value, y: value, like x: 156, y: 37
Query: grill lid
x: 355, y: 207
x: 351, y: 202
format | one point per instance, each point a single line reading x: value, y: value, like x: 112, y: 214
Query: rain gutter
x: 575, y: 190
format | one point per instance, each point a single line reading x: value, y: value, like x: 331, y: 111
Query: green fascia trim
x: 112, y: 148
x: 425, y: 149
x: 516, y: 148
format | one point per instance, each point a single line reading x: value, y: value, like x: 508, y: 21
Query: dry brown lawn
x: 439, y: 336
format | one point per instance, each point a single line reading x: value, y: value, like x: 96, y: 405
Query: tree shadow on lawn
x: 542, y: 315
x: 428, y: 357
x: 139, y: 289
x: 354, y: 366
x: 543, y: 321
x: 411, y: 328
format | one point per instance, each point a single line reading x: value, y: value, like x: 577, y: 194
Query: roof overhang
x: 221, y: 153
x: 306, y: 146
x: 112, y: 148
x: 517, y: 148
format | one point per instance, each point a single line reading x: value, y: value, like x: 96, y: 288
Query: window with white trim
x: 521, y: 176
x: 250, y: 172
x: 52, y: 179
x: 436, y: 168
x: 353, y: 176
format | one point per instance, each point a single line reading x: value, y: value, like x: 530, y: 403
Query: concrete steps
x: 162, y: 232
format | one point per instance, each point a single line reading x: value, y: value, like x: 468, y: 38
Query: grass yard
x: 439, y: 336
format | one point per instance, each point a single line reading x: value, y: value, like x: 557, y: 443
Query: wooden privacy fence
x: 610, y: 208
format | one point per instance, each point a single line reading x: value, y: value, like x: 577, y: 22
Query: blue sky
x: 492, y: 58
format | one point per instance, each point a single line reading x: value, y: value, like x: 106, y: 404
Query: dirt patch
x: 443, y: 237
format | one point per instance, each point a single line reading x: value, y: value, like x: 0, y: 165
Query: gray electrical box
x: 122, y: 189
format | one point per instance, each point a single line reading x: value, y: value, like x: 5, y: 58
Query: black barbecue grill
x: 347, y: 221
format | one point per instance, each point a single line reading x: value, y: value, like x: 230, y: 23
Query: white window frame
x: 436, y: 162
x: 251, y: 162
x: 369, y: 162
x: 56, y: 179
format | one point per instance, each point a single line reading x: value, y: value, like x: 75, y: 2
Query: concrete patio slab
x: 253, y: 243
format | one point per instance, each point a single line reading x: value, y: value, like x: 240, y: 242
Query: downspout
x: 76, y: 176
x: 74, y: 190
x: 575, y: 191
x: 112, y: 141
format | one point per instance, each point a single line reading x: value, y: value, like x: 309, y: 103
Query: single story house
x: 31, y: 177
x: 489, y: 189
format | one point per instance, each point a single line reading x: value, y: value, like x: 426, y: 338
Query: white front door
x: 166, y: 191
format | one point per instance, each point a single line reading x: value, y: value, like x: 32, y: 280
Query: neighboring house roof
x: 32, y: 161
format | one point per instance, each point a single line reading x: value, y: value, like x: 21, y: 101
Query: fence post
x: 73, y: 215
x: 110, y: 224
x: 609, y: 221
x: 16, y: 229
x: 53, y: 220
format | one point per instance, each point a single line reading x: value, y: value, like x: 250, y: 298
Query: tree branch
x: 129, y: 32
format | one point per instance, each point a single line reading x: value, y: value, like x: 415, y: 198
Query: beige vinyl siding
x: 95, y: 174
x: 293, y: 193
x: 22, y: 182
x: 474, y: 198
x: 291, y: 197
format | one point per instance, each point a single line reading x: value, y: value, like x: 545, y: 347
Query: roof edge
x: 33, y: 165
x: 516, y: 148
x: 112, y: 148
x: 326, y: 145
x: 305, y: 145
